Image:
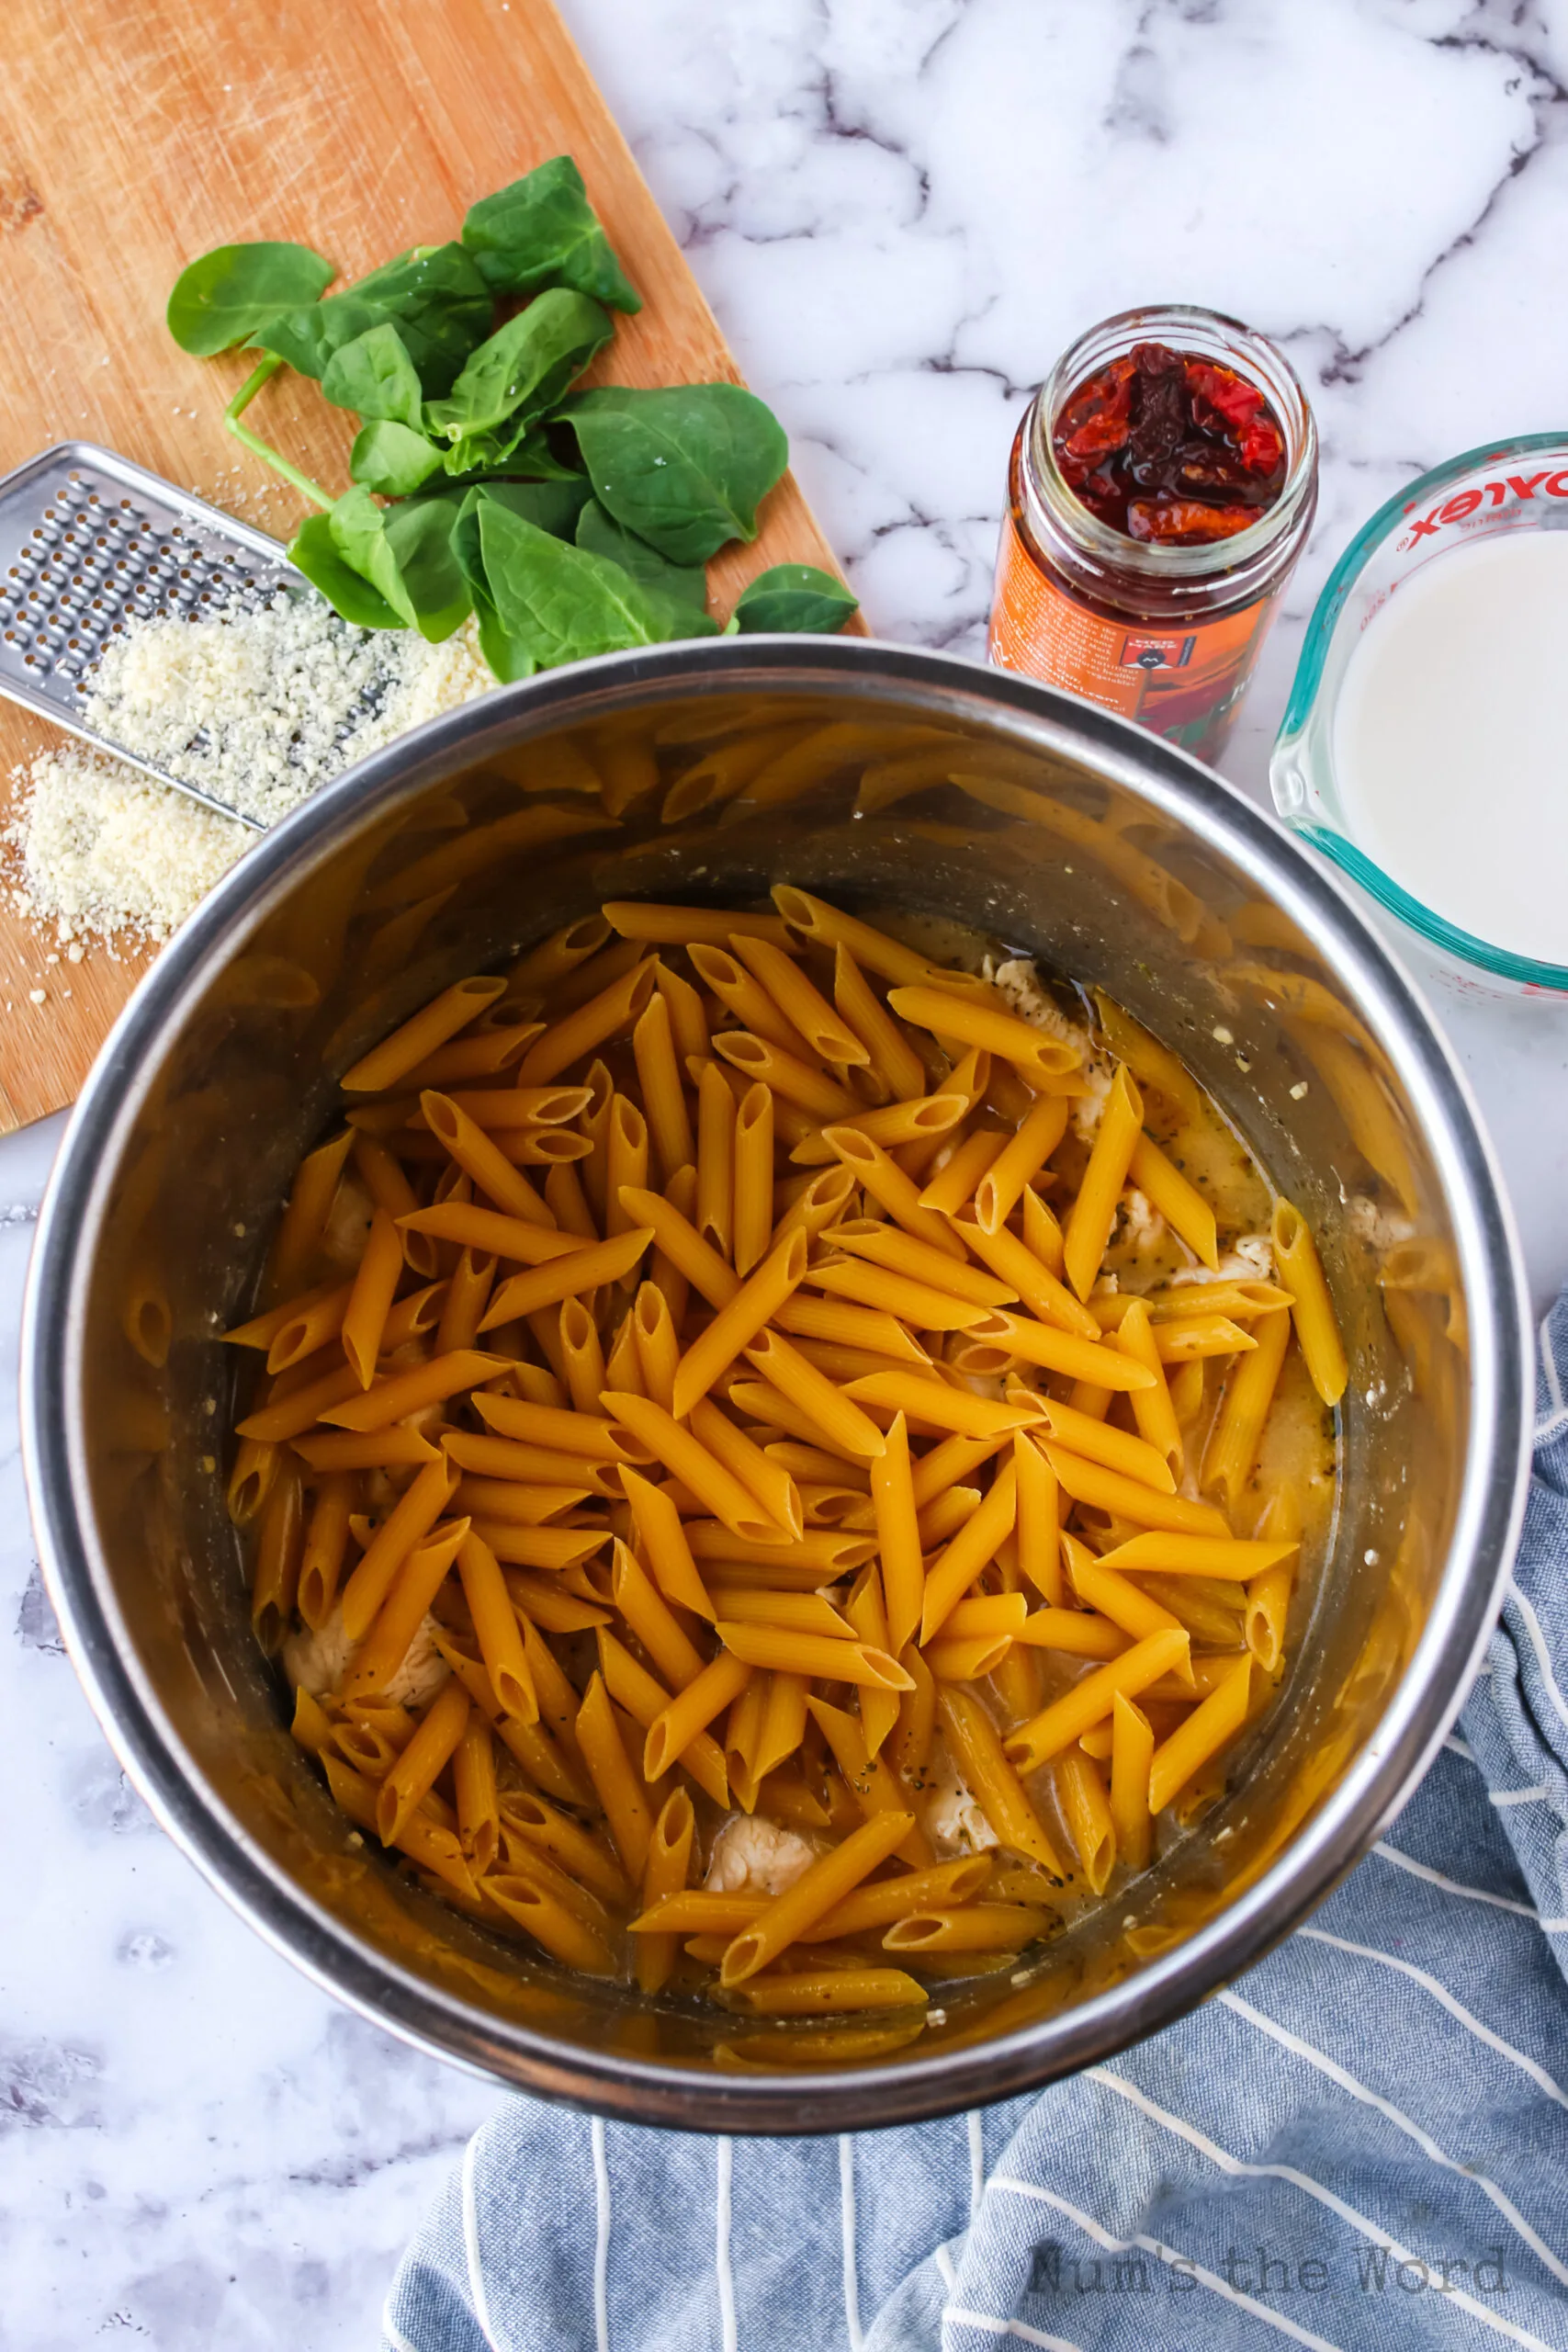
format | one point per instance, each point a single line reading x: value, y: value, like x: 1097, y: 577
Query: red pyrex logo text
x: 1465, y: 502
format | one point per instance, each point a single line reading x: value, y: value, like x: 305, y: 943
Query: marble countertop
x: 902, y: 210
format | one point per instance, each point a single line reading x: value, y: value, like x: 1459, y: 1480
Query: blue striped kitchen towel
x: 1361, y: 2146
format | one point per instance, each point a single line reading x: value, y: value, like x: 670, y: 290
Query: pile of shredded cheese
x: 258, y: 709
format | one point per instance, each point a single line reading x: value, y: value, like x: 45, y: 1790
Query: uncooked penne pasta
x: 901, y: 1252
x: 669, y: 1860
x: 881, y: 1177
x: 1211, y: 1726
x: 279, y: 1544
x: 993, y: 1030
x: 801, y: 1994
x: 977, y: 1543
x: 479, y: 1157
x: 567, y: 1277
x: 1086, y: 1810
x: 919, y: 1304
x: 1131, y: 1750
x: 302, y: 1225
x: 736, y: 1324
x: 1178, y: 1201
x: 716, y: 1138
x: 370, y: 1300
x: 1124, y: 1497
x: 658, y: 1348
x: 441, y: 1018
x: 989, y: 1772
x: 659, y: 1074
x: 626, y: 1160
x: 645, y: 1698
x: 953, y: 1188
x: 618, y: 1788
x: 787, y: 1075
x: 406, y: 1526
x: 743, y: 995
x: 1001, y: 1187
x: 1014, y: 1260
x: 896, y: 1064
x: 670, y: 926
x: 1250, y: 1390
x: 1090, y: 1701
x: 1301, y: 1272
x: 1094, y: 1210
x: 895, y: 1125
x: 804, y: 1007
x: 1152, y: 1409
x: 613, y: 1010
x: 496, y: 1628
x: 326, y: 1546
x: 801, y: 1416
x: 976, y: 1928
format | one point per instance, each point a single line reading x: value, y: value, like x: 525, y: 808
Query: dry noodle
x: 711, y: 1549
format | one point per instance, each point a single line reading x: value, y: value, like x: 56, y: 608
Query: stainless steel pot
x: 922, y: 783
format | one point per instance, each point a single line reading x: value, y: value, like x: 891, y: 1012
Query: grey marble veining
x: 902, y: 210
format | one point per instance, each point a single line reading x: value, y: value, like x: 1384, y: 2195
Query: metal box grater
x: 87, y: 541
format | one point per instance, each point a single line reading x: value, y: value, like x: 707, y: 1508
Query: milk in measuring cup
x: 1451, y: 739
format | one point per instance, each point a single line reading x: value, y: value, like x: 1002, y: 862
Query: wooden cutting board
x: 135, y: 134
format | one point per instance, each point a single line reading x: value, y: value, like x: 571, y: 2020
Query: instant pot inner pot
x: 882, y: 808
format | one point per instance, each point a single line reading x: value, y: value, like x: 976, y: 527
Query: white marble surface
x: 901, y: 209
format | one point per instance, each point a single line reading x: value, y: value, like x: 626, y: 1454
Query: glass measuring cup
x: 1504, y: 486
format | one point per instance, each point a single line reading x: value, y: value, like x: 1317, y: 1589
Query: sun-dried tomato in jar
x: 1163, y: 483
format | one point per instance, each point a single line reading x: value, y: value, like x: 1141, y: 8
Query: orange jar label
x: 1183, y: 682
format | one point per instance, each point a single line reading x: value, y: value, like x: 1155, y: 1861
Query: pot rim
x: 1415, y: 1719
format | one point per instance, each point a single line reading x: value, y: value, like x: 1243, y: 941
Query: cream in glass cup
x: 1421, y: 751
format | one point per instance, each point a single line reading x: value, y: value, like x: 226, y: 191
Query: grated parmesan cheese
x: 105, y: 849
x: 259, y: 709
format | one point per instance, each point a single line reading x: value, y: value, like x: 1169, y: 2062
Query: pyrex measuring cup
x: 1505, y: 486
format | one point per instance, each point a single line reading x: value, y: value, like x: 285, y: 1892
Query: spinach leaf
x: 427, y: 279
x: 306, y: 339
x: 796, y: 596
x: 683, y: 467
x: 221, y: 300
x: 314, y: 551
x: 418, y: 536
x: 438, y: 301
x: 375, y: 377
x: 510, y: 449
x: 509, y: 660
x: 406, y: 554
x: 553, y: 507
x: 440, y: 304
x: 542, y: 231
x: 677, y: 584
x: 392, y: 459
x: 434, y: 295
x: 358, y: 533
x: 557, y: 603
x: 519, y: 372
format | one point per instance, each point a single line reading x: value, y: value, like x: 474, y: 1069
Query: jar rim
x: 1206, y: 335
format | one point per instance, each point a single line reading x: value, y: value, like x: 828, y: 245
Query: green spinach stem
x: 253, y: 441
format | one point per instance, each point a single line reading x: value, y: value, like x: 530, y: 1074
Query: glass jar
x: 1166, y: 635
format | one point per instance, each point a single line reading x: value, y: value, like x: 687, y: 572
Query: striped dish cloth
x: 1361, y: 2146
